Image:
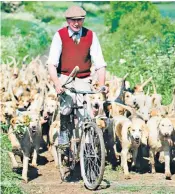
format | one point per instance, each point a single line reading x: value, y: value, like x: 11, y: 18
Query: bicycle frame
x: 83, y: 147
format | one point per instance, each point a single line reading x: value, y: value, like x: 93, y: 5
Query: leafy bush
x: 9, y: 180
x: 118, y: 9
x: 144, y: 41
x: 10, y: 7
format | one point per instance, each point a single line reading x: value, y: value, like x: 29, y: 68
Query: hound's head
x: 136, y: 130
x: 50, y: 106
x: 34, y: 122
x: 165, y: 128
x: 9, y: 109
x: 96, y: 101
x: 24, y: 102
x: 129, y: 99
x: 20, y: 125
x: 144, y: 113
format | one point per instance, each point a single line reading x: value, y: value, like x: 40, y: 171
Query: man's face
x: 75, y: 24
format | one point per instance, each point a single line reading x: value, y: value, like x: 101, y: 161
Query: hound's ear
x: 129, y: 128
x: 118, y: 130
x: 13, y: 121
x: 153, y: 100
x: 100, y: 123
x: 107, y: 85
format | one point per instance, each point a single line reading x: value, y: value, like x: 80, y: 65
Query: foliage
x: 9, y: 180
x: 4, y: 127
x: 10, y: 7
x: 24, y: 27
x: 51, y: 11
x: 145, y: 42
x: 21, y: 38
x: 117, y: 9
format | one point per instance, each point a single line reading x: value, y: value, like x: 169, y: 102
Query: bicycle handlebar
x: 73, y: 90
x: 72, y: 75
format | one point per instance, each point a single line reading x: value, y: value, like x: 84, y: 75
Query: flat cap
x: 75, y: 12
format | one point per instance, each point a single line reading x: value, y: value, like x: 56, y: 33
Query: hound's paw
x: 153, y: 171
x: 168, y: 175
x: 117, y: 155
x: 34, y: 164
x: 127, y: 176
x: 25, y: 179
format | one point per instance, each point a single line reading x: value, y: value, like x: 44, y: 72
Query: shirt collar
x: 70, y: 32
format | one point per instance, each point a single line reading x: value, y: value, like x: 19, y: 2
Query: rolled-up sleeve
x: 55, y: 50
x: 96, y: 53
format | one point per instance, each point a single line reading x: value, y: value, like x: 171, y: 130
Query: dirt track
x: 46, y: 180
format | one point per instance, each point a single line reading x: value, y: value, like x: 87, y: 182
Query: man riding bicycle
x: 74, y: 45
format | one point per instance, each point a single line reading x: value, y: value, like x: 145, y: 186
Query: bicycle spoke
x: 92, y: 156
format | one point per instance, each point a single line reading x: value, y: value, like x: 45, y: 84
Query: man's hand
x: 55, y: 79
x: 59, y: 88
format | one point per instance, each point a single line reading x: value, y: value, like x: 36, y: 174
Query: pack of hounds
x: 137, y: 124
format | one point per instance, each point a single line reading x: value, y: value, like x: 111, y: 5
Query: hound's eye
x: 163, y: 125
x: 127, y: 96
x: 140, y: 130
x: 133, y: 130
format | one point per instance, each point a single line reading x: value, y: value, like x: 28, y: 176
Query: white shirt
x: 95, y: 50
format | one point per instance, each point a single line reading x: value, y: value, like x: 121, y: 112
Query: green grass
x: 131, y: 188
x: 24, y: 27
x: 10, y: 182
x: 20, y: 38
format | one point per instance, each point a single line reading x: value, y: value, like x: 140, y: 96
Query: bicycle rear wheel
x: 92, y: 156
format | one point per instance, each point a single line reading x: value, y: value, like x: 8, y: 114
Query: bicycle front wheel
x: 92, y: 156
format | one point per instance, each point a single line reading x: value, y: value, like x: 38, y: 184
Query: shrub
x: 10, y: 7
x: 9, y: 180
x: 146, y: 42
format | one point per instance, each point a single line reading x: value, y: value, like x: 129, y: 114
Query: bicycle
x: 89, y: 148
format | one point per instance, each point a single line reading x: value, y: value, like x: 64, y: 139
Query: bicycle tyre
x: 92, y: 182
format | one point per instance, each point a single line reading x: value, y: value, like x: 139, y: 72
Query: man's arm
x: 98, y: 60
x: 53, y: 61
x: 101, y: 76
x: 55, y: 79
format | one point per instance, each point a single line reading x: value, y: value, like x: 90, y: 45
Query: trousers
x: 68, y: 99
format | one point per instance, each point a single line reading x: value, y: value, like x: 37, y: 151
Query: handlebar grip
x: 72, y: 75
x: 74, y: 71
